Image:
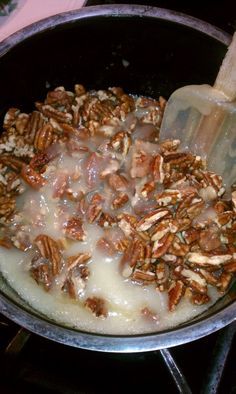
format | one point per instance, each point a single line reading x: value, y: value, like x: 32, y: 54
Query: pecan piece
x: 117, y: 182
x: 11, y: 161
x: 97, y: 306
x: 175, y: 294
x: 197, y: 298
x: 41, y: 272
x: 224, y: 281
x: 10, y: 117
x: 178, y: 248
x: 106, y: 246
x: 30, y: 176
x: 7, y: 206
x: 39, y: 161
x: 43, y: 137
x: 51, y: 112
x: 94, y: 210
x: 157, y: 169
x: 74, y: 229
x: 209, y: 239
x: 230, y: 267
x: 77, y: 260
x: 168, y: 197
x: 192, y: 279
x: 143, y: 276
x: 162, y: 274
x: 120, y: 201
x: 121, y: 142
x: 169, y: 145
x: 161, y: 246
x: 49, y: 250
x: 106, y: 220
x: 202, y: 260
x: 148, y: 188
x: 151, y: 218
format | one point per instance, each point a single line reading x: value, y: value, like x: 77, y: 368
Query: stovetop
x: 31, y: 364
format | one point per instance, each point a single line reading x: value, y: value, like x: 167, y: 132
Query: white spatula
x: 203, y: 118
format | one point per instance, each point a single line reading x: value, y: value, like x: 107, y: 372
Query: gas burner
x: 34, y: 364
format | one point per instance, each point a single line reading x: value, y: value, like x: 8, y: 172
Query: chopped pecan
x: 43, y: 137
x: 120, y: 201
x: 94, y: 210
x: 117, y: 182
x: 60, y: 184
x: 202, y: 260
x: 224, y: 218
x: 224, y: 281
x: 77, y: 260
x: 36, y: 121
x: 39, y: 161
x: 49, y: 250
x: 191, y: 235
x: 148, y: 188
x: 210, y: 278
x: 168, y: 197
x: 230, y: 267
x: 152, y: 218
x: 106, y: 246
x: 10, y: 117
x: 157, y: 169
x: 143, y: 276
x: 169, y: 145
x: 190, y: 207
x: 121, y: 142
x: 175, y: 294
x: 7, y: 206
x: 11, y: 161
x: 197, y: 298
x: 192, y: 279
x: 140, y: 165
x: 30, y: 176
x: 179, y: 159
x: 106, y: 220
x: 127, y: 223
x: 41, y: 272
x: 74, y: 229
x: 209, y: 239
x: 162, y: 245
x: 51, y: 112
x: 97, y: 306
x: 162, y: 273
x: 178, y: 248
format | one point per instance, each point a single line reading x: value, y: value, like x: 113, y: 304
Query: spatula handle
x: 226, y: 78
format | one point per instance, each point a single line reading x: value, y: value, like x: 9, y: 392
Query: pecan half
x: 49, y: 250
x: 43, y: 137
x: 30, y: 176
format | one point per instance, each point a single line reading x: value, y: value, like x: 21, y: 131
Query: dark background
x: 221, y: 13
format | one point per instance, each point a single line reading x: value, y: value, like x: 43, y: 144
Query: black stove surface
x: 31, y: 364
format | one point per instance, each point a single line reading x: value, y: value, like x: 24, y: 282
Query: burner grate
x: 35, y: 364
